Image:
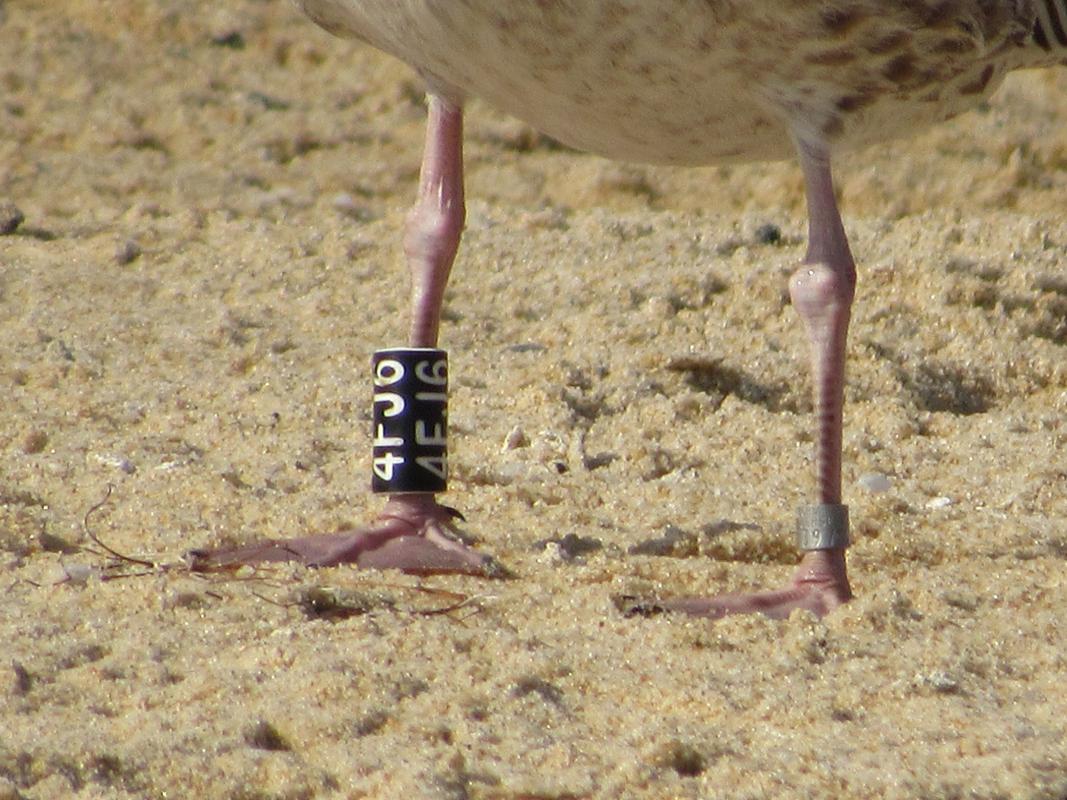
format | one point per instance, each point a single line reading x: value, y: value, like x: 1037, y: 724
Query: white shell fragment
x: 875, y: 482
x: 76, y: 573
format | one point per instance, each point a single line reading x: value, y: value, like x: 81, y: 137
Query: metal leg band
x: 822, y: 527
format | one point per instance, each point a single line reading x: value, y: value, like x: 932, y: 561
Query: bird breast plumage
x: 702, y: 81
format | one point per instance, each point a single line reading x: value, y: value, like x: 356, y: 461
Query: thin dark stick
x: 99, y: 543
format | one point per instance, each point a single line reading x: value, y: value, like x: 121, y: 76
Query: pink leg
x: 414, y: 533
x: 822, y: 291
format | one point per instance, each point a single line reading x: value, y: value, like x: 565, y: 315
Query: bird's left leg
x: 822, y: 291
x: 414, y: 532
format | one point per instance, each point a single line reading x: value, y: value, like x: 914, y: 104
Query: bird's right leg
x: 822, y: 291
x: 414, y: 533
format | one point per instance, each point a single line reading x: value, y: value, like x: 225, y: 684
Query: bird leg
x: 822, y: 291
x: 414, y: 532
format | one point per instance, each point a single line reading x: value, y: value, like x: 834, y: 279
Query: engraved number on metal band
x: 822, y: 527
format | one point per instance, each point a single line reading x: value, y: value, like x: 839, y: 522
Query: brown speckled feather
x: 701, y: 81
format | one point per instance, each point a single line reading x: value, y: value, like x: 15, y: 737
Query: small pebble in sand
x: 875, y: 482
x: 127, y: 252
x: 939, y: 502
x: 35, y: 442
x: 117, y: 462
x: 264, y: 736
x: 10, y: 218
x: 768, y: 233
x: 552, y: 554
x: 569, y: 547
x: 515, y: 439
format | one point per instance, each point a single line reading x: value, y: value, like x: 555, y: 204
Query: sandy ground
x: 213, y: 197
